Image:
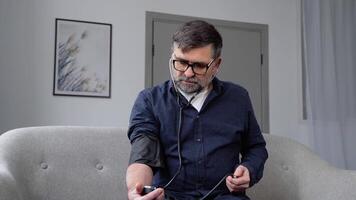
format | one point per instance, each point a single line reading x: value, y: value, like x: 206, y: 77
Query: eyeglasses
x: 197, y: 67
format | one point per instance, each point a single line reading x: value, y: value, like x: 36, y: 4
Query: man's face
x: 188, y: 81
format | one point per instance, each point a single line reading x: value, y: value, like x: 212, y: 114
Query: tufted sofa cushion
x: 61, y: 163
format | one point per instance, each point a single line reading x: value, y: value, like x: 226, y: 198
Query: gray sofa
x: 89, y: 163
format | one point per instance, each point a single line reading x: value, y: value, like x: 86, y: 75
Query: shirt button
x: 198, y: 140
x: 198, y: 116
x: 200, y: 162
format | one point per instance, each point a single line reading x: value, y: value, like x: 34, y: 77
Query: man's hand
x: 135, y: 194
x: 240, y: 181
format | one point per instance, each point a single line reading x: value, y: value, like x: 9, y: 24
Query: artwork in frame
x: 82, y: 58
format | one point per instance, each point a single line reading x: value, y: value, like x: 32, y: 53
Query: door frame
x: 152, y: 17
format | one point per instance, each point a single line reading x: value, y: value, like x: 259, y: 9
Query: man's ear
x: 217, y: 66
x: 219, y: 61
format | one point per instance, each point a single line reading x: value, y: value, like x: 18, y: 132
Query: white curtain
x: 329, y: 49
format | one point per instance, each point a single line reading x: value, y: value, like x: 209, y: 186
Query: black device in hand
x: 147, y: 189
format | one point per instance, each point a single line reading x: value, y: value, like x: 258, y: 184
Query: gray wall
x: 27, y: 53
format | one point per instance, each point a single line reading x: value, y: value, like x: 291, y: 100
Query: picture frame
x: 82, y: 61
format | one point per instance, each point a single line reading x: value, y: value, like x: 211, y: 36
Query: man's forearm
x: 138, y: 173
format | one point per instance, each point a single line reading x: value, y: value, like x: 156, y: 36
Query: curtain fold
x: 329, y: 50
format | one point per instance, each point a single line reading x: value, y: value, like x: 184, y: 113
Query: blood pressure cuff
x: 146, y: 149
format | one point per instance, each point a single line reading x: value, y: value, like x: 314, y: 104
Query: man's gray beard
x: 188, y: 89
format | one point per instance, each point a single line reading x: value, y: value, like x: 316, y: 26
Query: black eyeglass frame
x: 192, y: 65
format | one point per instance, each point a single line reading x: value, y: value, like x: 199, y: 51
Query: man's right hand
x: 135, y: 194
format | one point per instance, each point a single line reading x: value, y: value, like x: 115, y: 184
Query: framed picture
x: 82, y: 58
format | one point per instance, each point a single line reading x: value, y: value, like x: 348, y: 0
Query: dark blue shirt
x: 212, y: 140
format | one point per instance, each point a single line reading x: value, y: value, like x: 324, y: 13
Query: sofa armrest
x: 332, y: 183
x: 294, y: 172
x: 8, y: 190
x: 346, y: 179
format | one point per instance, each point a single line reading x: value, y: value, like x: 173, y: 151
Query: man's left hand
x: 239, y: 181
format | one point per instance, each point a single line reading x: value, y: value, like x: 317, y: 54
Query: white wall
x: 27, y: 57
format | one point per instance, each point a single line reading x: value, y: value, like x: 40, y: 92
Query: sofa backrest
x: 82, y: 163
x: 279, y: 180
x: 60, y: 163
